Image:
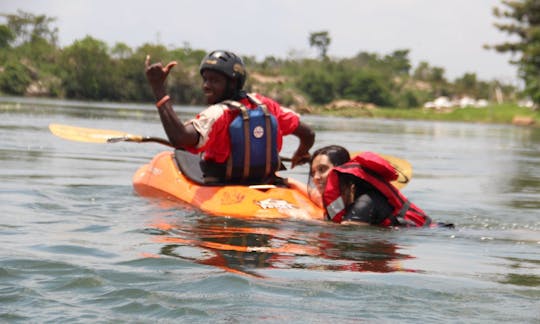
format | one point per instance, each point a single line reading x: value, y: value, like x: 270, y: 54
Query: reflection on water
x: 243, y: 247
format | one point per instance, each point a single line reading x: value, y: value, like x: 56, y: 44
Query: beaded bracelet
x: 162, y: 101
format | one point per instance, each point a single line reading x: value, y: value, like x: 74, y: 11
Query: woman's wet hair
x: 336, y: 154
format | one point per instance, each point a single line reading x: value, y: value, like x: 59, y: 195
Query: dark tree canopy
x: 321, y: 40
x: 521, y: 19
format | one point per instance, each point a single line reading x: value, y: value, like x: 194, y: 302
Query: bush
x: 15, y: 78
x: 318, y: 86
x: 367, y: 87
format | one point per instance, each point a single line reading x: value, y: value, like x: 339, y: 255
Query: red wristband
x: 162, y: 101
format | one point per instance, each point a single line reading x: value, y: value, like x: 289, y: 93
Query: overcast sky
x: 445, y: 33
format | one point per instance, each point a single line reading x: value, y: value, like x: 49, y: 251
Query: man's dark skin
x: 214, y: 87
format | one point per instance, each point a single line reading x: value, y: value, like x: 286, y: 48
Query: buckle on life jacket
x: 404, y: 209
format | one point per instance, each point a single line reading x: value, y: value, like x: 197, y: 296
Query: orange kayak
x: 170, y: 175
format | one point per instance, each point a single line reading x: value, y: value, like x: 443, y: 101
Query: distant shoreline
x: 493, y: 114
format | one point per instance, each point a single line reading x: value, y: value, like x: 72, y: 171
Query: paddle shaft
x: 92, y: 135
x: 141, y: 139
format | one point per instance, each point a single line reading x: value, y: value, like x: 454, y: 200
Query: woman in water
x: 359, y: 190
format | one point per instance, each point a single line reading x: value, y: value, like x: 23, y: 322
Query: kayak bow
x: 163, y: 178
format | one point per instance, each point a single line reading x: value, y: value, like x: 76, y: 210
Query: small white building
x: 439, y: 103
x: 527, y: 103
x: 464, y: 102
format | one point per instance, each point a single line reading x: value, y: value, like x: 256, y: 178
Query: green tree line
x: 521, y: 19
x: 32, y: 63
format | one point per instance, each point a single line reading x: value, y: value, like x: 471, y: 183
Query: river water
x: 78, y: 245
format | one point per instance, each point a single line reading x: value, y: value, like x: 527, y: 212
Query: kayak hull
x: 163, y: 179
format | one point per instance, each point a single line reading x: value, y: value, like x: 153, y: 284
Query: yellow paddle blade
x: 402, y: 166
x: 91, y: 135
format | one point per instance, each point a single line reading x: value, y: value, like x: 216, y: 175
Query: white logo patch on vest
x: 258, y: 132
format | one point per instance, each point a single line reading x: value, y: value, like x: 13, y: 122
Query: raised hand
x: 156, y: 75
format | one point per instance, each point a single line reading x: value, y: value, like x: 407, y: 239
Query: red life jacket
x: 376, y: 171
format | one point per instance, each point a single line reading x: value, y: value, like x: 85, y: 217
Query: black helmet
x: 227, y: 63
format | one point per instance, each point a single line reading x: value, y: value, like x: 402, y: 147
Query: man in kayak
x: 359, y: 191
x: 240, y: 134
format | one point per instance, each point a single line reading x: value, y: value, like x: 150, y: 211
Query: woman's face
x: 320, y: 167
x: 214, y: 86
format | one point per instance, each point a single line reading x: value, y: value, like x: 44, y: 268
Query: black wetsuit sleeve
x: 370, y: 208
